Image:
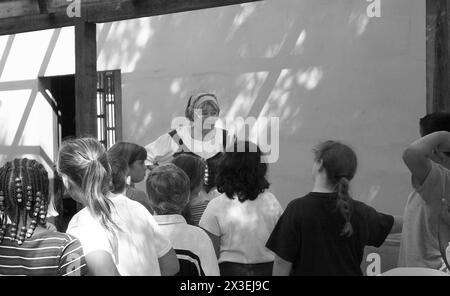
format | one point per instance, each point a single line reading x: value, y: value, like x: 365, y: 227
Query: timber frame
x: 438, y: 55
x: 19, y: 16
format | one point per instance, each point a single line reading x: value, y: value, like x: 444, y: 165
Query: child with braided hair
x: 27, y: 246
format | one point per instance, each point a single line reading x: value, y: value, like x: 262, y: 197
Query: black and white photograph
x: 225, y: 143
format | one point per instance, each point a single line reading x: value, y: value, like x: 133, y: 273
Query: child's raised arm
x: 418, y: 155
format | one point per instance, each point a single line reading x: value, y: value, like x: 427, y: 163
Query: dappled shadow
x: 323, y: 68
x: 15, y: 147
x: 5, y: 53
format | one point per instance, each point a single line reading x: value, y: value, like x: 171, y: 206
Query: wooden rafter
x: 17, y: 16
x: 438, y: 55
x: 42, y: 6
x: 85, y: 78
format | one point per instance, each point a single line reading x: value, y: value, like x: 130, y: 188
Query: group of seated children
x: 172, y: 229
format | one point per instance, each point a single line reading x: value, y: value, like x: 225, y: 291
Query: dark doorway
x: 62, y: 91
x: 59, y: 91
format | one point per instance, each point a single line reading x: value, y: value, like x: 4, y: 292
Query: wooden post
x: 85, y: 78
x: 438, y: 54
x: 118, y: 105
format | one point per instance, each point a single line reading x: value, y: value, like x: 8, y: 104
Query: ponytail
x: 85, y: 163
x: 339, y: 162
x: 95, y: 186
x: 344, y: 205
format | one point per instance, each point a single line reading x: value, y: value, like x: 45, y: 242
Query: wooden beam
x: 431, y: 20
x: 85, y: 78
x: 94, y: 11
x: 438, y: 55
x: 13, y: 8
x: 22, y: 24
x: 43, y: 6
x: 118, y: 105
x: 123, y: 10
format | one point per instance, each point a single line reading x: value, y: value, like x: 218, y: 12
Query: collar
x: 169, y: 219
x: 111, y: 195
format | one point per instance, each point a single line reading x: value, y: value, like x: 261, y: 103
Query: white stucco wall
x: 27, y: 122
x: 323, y: 67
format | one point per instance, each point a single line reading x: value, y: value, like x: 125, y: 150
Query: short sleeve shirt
x: 192, y: 239
x: 48, y: 253
x: 308, y: 234
x: 424, y: 212
x: 137, y: 245
x: 243, y: 227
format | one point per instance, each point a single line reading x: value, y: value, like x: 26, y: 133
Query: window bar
x: 108, y: 114
x: 106, y: 109
x: 105, y: 135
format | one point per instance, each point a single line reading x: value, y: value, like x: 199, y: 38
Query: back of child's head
x: 242, y: 172
x: 84, y: 164
x: 24, y: 194
x: 129, y: 151
x: 193, y: 166
x: 168, y: 188
x: 119, y: 170
x: 434, y: 122
x: 340, y: 163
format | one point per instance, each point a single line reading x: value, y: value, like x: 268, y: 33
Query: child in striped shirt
x: 27, y: 245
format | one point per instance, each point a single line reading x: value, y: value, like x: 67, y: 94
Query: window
x: 109, y: 107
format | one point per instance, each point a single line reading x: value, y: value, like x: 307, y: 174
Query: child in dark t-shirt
x: 325, y: 232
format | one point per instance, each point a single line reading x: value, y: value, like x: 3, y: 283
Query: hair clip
x: 42, y: 214
x: 23, y: 231
x: 2, y: 202
x: 31, y: 228
x: 29, y: 199
x: 13, y: 230
x: 206, y: 178
x: 37, y: 204
x: 18, y: 190
x: 3, y: 224
x: 3, y: 231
